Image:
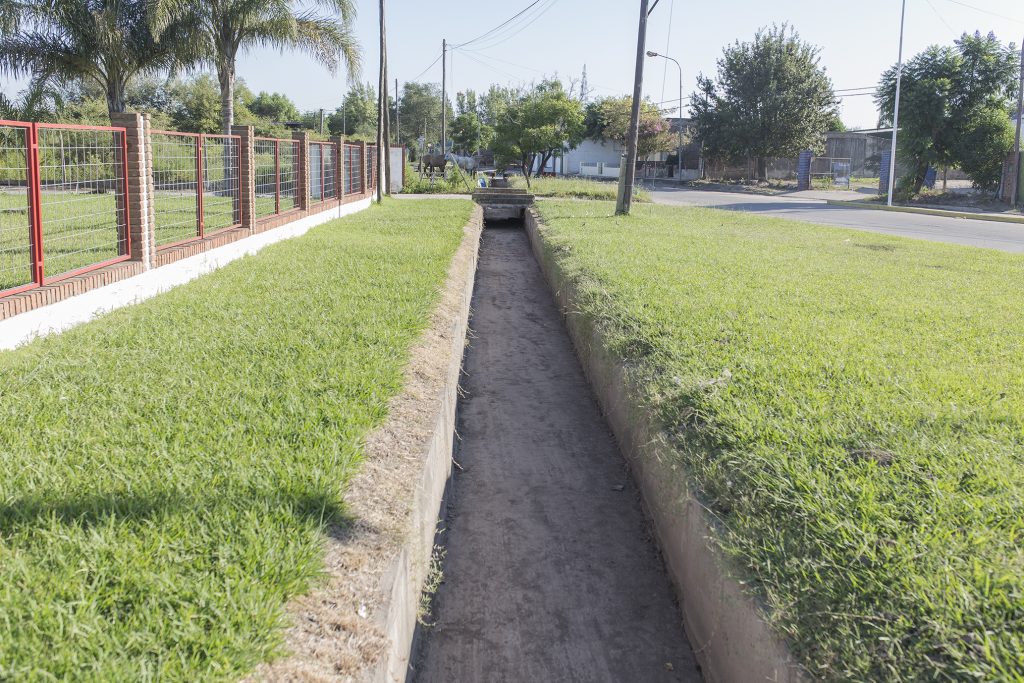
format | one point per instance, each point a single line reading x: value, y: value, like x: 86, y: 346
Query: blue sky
x: 858, y: 41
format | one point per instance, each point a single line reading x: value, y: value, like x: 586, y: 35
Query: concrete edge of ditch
x: 726, y: 629
x: 410, y: 568
x: 360, y: 622
x: 947, y: 213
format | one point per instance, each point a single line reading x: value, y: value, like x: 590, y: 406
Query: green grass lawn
x: 81, y: 229
x: 850, y: 406
x: 168, y: 472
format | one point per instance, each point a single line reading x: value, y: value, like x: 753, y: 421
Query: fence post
x: 302, y: 175
x: 246, y: 176
x: 141, y: 191
x: 363, y: 163
x: 339, y: 166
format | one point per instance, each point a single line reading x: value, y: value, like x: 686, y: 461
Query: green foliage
x: 105, y: 42
x: 420, y: 110
x: 197, y: 105
x: 543, y: 121
x: 221, y: 29
x: 609, y: 118
x: 954, y: 108
x: 169, y: 472
x: 275, y: 107
x: 849, y: 409
x: 771, y: 98
x: 357, y: 117
x: 468, y: 134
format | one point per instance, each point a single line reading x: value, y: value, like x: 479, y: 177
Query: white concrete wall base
x: 729, y: 636
x: 79, y: 309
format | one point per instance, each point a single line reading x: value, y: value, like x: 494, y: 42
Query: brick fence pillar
x: 139, y: 172
x: 302, y: 176
x: 246, y: 176
x: 339, y: 166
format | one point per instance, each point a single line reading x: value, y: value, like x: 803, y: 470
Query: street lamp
x: 896, y: 109
x: 679, y: 151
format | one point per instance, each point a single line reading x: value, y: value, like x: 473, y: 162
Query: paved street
x: 992, y: 235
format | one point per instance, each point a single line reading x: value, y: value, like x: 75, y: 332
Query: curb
x: 997, y: 218
x: 730, y: 638
x: 406, y: 576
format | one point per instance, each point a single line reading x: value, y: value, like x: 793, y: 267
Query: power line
x: 986, y: 11
x: 427, y: 69
x: 941, y: 18
x: 502, y: 24
x: 512, y: 31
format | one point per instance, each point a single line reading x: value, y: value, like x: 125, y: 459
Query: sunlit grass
x: 850, y: 406
x: 168, y: 472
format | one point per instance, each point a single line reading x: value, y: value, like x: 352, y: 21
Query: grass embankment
x: 168, y: 472
x: 850, y: 406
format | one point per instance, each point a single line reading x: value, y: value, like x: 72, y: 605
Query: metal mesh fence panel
x: 15, y: 209
x: 82, y: 198
x: 330, y: 159
x: 176, y: 185
x: 221, y: 207
x: 289, y: 163
x: 316, y: 172
x: 267, y: 188
x: 353, y: 176
x: 371, y: 167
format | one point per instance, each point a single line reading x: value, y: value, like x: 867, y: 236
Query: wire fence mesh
x: 267, y: 195
x: 175, y: 159
x: 15, y: 208
x: 221, y: 201
x: 353, y: 159
x: 330, y: 163
x: 316, y: 172
x: 289, y: 159
x: 82, y: 197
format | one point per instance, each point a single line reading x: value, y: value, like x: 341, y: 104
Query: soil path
x: 550, y: 573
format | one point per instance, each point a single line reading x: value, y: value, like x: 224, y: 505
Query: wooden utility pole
x: 383, y: 170
x: 626, y: 178
x: 1016, y: 138
x: 444, y: 96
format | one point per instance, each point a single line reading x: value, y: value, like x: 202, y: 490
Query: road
x: 974, y: 233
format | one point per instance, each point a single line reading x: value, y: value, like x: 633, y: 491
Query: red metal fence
x: 63, y: 202
x: 196, y: 185
x: 323, y: 171
x: 276, y: 175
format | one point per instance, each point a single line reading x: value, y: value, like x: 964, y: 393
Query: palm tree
x: 104, y: 41
x: 225, y: 27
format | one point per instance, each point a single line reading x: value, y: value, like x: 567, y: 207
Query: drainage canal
x: 549, y: 572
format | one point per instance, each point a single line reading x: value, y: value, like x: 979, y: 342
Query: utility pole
x: 626, y: 177
x: 321, y: 121
x: 444, y: 96
x: 384, y: 151
x: 1016, y: 138
x: 896, y: 109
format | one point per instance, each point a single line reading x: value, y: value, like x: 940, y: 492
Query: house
x: 601, y: 158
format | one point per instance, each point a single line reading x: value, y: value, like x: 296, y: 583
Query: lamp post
x: 679, y: 150
x: 896, y: 108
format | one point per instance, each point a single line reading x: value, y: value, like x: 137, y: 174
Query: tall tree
x: 106, y: 42
x: 223, y: 28
x: 357, y: 115
x: 954, y: 108
x: 421, y: 114
x: 275, y: 107
x: 541, y: 123
x: 770, y: 98
x: 608, y: 119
